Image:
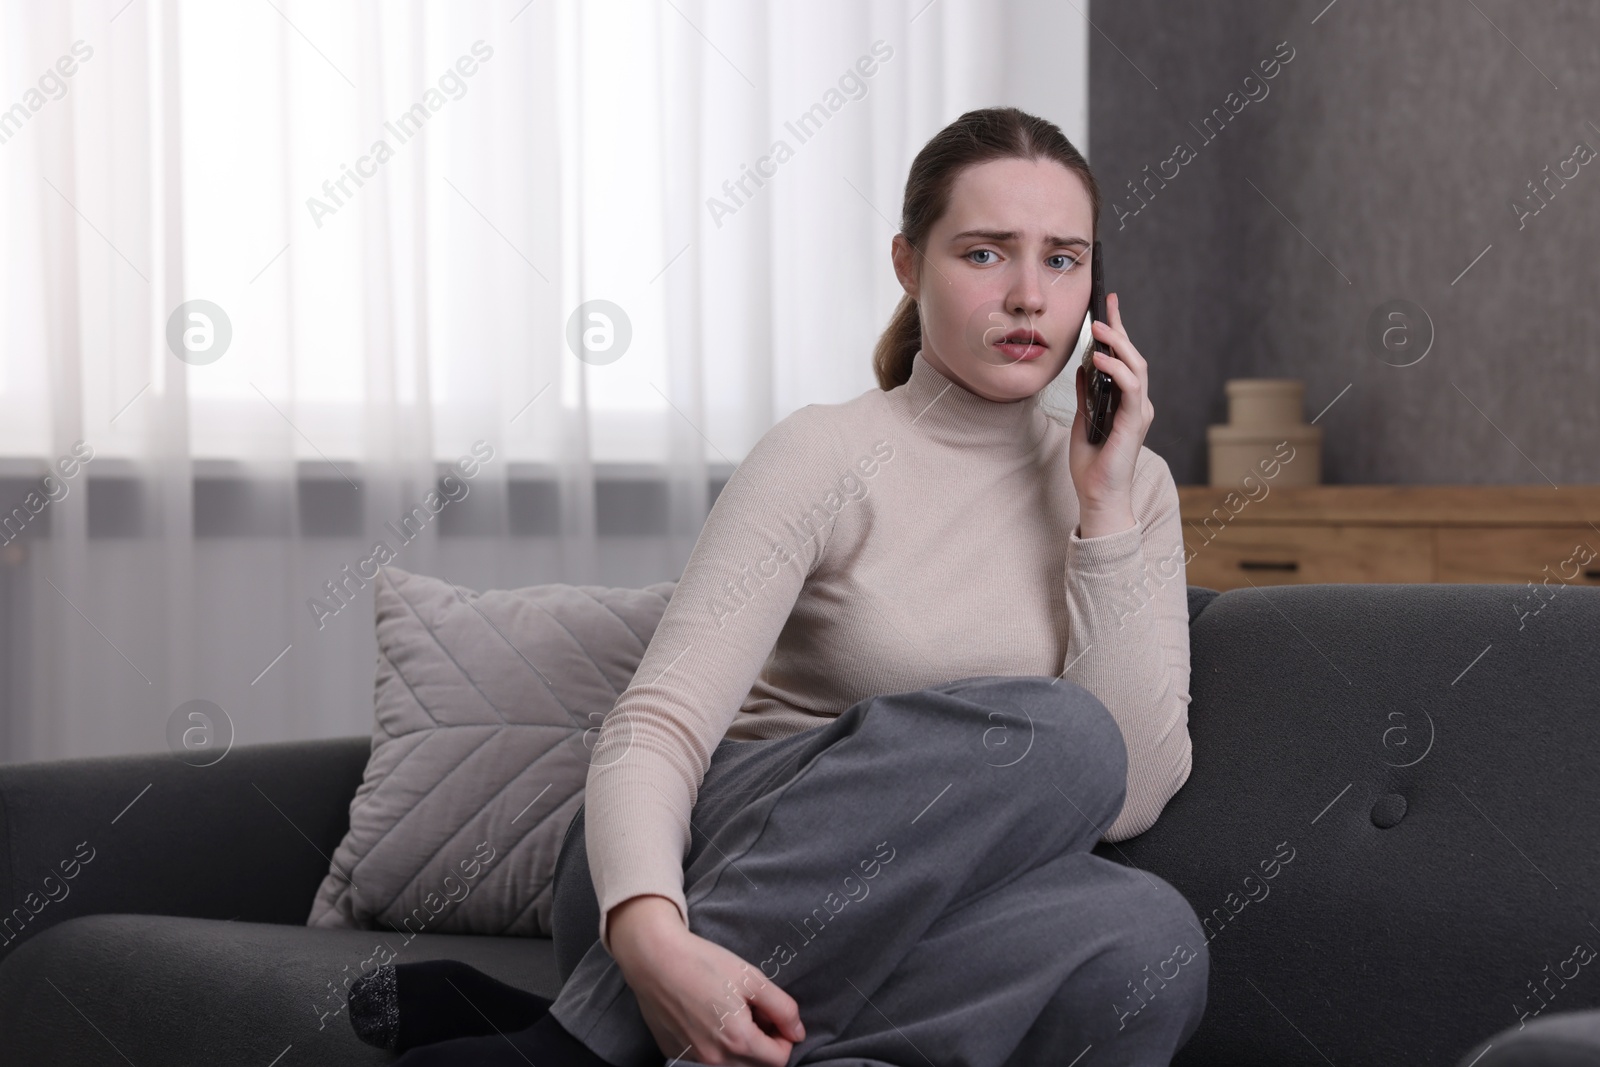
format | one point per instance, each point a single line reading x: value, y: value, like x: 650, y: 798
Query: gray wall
x: 1394, y: 141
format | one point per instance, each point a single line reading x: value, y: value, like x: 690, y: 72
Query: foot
x: 546, y: 1042
x: 398, y: 1007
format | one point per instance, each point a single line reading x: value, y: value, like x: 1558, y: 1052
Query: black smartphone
x: 1101, y: 395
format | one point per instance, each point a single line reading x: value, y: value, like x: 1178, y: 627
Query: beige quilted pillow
x: 487, y: 708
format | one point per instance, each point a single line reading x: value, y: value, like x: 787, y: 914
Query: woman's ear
x: 905, y: 264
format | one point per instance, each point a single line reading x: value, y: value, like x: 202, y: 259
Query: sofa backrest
x: 1388, y: 833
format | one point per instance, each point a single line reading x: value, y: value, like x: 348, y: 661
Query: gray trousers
x: 917, y: 874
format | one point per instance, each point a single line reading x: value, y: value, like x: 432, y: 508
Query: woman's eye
x: 981, y: 252
x: 1065, y: 262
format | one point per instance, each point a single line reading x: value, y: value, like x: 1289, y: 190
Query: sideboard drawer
x: 1240, y: 555
x: 1508, y: 554
x: 1263, y: 535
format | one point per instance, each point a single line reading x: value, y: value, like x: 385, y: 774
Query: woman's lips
x: 1021, y: 350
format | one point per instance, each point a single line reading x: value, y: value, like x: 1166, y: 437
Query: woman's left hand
x: 1103, y: 474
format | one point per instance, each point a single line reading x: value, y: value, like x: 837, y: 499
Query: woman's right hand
x: 701, y: 1002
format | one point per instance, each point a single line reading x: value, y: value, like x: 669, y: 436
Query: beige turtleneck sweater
x: 896, y: 541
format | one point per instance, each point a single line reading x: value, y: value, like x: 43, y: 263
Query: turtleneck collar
x: 944, y: 410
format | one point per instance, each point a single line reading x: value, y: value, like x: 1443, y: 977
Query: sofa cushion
x: 152, y: 989
x: 487, y: 706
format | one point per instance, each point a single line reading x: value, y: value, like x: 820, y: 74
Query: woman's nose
x: 1026, y: 296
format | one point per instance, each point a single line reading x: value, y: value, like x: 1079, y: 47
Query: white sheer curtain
x: 181, y: 525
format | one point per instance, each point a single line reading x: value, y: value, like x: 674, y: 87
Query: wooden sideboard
x: 1390, y: 533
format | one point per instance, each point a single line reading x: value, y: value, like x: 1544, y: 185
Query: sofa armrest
x: 249, y: 837
x: 1560, y: 1039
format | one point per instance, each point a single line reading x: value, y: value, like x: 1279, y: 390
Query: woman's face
x: 1008, y: 261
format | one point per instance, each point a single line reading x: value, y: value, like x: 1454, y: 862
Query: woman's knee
x: 1066, y: 732
x: 1158, y: 961
x: 1137, y: 981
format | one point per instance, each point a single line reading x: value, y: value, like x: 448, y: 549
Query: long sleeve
x: 1128, y: 642
x: 736, y: 592
x: 778, y: 619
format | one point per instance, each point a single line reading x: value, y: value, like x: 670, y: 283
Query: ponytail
x: 891, y: 359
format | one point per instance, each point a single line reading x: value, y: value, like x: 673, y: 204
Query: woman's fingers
x: 1080, y: 419
x: 742, y: 1038
x: 1126, y: 367
x: 1120, y: 373
x: 1119, y: 343
x: 780, y: 1009
x: 703, y: 1003
x: 749, y: 999
x: 1133, y: 383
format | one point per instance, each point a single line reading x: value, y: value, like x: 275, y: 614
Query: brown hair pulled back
x: 976, y: 137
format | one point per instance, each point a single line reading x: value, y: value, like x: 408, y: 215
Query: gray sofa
x: 1389, y: 834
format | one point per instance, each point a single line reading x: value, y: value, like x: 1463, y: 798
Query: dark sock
x: 399, y: 1007
x: 548, y: 1039
x: 545, y: 1043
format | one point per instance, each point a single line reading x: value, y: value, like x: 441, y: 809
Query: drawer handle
x: 1268, y: 565
x: 1592, y: 572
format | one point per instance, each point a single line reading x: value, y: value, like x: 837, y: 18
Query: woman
x: 915, y: 668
